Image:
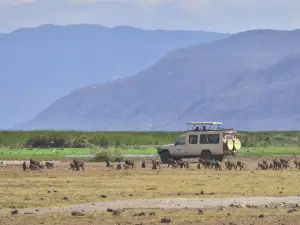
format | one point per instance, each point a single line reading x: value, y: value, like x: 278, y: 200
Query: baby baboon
x: 130, y: 163
x: 72, y: 166
x: 49, y: 165
x: 119, y: 166
x: 107, y: 163
x: 143, y: 164
x: 157, y: 164
x: 297, y: 163
x: 24, y: 166
x: 78, y: 164
x: 240, y: 165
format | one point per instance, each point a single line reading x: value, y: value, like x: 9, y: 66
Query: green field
x: 59, y: 144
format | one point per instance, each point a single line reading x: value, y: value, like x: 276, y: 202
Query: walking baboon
x: 143, y: 164
x: 206, y: 163
x: 33, y: 167
x: 284, y: 161
x: 217, y: 165
x: 285, y: 165
x: 107, y: 163
x: 297, y: 163
x: 72, y: 166
x: 265, y: 163
x: 34, y: 162
x: 277, y: 164
x: 126, y: 167
x: 261, y: 166
x: 24, y: 166
x: 78, y: 164
x: 119, y: 166
x: 49, y: 165
x: 182, y: 164
x: 130, y: 163
x: 199, y: 166
x: 229, y: 165
x: 173, y: 163
x: 156, y: 163
x: 240, y: 165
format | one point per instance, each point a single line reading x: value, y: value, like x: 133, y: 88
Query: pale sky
x: 209, y: 15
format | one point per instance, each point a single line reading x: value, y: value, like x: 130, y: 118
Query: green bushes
x: 75, y: 139
x: 113, y: 156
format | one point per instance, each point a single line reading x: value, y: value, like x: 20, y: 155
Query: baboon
x: 199, y: 166
x: 49, y: 165
x: 217, y: 165
x: 24, y: 166
x: 143, y: 164
x: 156, y: 163
x: 72, y: 166
x: 33, y: 167
x: 261, y: 166
x: 285, y: 165
x: 78, y: 164
x: 271, y: 166
x: 172, y: 162
x: 284, y: 161
x: 126, y: 167
x: 119, y: 166
x: 229, y: 165
x: 240, y: 165
x: 108, y: 163
x: 277, y: 164
x: 297, y: 163
x: 130, y: 163
x: 154, y: 166
x: 206, y: 163
x: 34, y: 162
x: 182, y: 164
x: 265, y: 163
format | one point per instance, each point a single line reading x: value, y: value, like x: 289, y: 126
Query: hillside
x: 248, y: 80
x: 39, y: 65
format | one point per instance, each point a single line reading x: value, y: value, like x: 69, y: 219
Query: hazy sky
x: 210, y: 15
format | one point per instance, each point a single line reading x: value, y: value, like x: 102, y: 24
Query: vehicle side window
x: 193, y: 139
x: 209, y: 139
x: 180, y: 141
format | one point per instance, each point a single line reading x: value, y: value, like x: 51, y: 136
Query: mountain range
x: 249, y: 80
x: 39, y: 65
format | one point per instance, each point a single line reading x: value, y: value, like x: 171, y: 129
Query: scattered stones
x: 166, y: 219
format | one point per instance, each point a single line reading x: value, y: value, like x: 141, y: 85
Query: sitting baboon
x: 24, y: 166
x: 240, y: 165
x: 199, y: 166
x: 72, y: 166
x: 143, y: 164
x: 130, y: 163
x: 156, y: 163
x: 119, y: 166
x: 261, y: 166
x: 108, y: 163
x: 297, y: 163
x: 49, y: 165
x: 78, y: 164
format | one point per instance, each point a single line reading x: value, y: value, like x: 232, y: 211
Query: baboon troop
x: 275, y: 164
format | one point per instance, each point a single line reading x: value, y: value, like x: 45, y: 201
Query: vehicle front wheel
x: 164, y: 157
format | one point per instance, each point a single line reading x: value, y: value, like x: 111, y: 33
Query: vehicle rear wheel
x: 206, y: 154
x: 164, y: 157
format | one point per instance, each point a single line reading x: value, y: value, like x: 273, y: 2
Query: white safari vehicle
x: 205, y: 139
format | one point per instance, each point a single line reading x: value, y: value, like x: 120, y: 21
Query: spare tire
x: 237, y: 144
x: 229, y: 144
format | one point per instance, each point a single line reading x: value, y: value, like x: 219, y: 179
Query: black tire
x: 164, y: 157
x: 206, y: 154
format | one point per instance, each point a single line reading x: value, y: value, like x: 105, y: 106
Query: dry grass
x: 48, y: 188
x: 184, y: 217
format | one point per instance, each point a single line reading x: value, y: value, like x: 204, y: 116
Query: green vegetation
x: 59, y: 144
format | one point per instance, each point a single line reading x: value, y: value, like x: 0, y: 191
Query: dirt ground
x: 51, y: 195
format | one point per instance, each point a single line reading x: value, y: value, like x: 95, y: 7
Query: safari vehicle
x: 207, y: 143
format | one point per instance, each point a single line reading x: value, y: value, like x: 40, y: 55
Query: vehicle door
x: 193, y: 147
x: 180, y: 146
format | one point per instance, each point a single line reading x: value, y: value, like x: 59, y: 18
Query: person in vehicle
x: 196, y: 129
x: 204, y: 128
